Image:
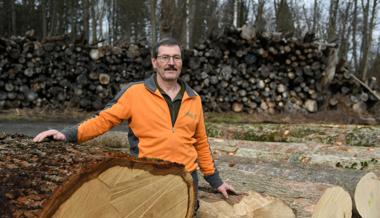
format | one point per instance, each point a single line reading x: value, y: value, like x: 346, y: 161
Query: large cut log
x: 367, y: 196
x: 336, y: 156
x: 301, y: 189
x: 251, y: 204
x: 56, y: 179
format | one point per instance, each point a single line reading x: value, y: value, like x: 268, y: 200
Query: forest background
x: 352, y: 24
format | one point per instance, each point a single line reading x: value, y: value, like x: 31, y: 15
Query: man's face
x: 168, y: 63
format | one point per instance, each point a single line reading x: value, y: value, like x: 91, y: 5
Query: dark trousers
x: 194, y: 174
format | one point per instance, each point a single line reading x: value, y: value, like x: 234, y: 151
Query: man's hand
x: 225, y: 188
x: 55, y: 134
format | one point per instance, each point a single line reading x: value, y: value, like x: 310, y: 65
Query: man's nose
x: 171, y: 61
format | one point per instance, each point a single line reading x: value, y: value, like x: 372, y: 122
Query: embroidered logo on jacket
x: 191, y: 115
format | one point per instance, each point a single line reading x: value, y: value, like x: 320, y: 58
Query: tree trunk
x: 316, y: 16
x: 73, y: 18
x: 236, y: 13
x: 53, y: 17
x: 187, y: 23
x: 260, y: 22
x: 345, y: 32
x: 354, y: 43
x: 86, y: 19
x: 365, y: 40
x: 56, y: 179
x: 153, y: 17
x: 179, y: 32
x: 94, y: 21
x: 13, y: 12
x: 44, y: 18
x: 332, y: 31
x: 367, y: 37
x: 167, y: 17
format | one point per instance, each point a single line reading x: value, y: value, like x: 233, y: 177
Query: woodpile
x: 60, y: 74
x: 56, y: 179
x: 234, y: 70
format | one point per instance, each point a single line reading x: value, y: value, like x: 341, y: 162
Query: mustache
x: 170, y: 68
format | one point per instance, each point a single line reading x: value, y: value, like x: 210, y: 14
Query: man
x: 164, y: 115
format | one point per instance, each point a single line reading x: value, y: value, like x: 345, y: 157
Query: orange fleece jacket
x: 148, y: 116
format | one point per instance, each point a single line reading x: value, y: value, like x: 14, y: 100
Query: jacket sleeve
x: 205, y: 159
x: 101, y: 123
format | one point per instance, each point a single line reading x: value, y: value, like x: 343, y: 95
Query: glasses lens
x: 166, y: 58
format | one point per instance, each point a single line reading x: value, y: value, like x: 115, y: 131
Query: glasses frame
x: 164, y: 59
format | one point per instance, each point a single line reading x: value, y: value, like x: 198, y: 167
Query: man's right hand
x: 55, y: 134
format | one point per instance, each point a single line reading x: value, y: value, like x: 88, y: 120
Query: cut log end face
x: 334, y: 203
x: 367, y: 196
x: 57, y: 179
x: 249, y: 205
x: 125, y: 192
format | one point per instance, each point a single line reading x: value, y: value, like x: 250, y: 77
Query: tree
x: 369, y: 15
x: 375, y: 66
x: 167, y: 17
x: 344, y: 31
x: 284, y: 17
x: 153, y: 20
x: 131, y: 19
x: 260, y: 21
x: 316, y: 16
x: 94, y: 20
x: 44, y: 17
x: 333, y: 12
x: 13, y: 12
x: 236, y: 4
x: 354, y: 32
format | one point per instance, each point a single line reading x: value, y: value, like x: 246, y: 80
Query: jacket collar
x: 151, y: 85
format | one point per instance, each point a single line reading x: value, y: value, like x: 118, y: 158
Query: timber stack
x: 233, y: 70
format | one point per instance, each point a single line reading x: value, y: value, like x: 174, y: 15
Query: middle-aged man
x: 164, y: 115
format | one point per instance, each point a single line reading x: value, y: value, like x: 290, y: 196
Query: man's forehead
x: 169, y: 49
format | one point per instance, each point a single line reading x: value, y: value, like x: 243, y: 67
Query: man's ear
x: 154, y: 63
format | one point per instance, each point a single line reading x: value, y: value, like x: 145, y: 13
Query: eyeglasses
x: 166, y: 58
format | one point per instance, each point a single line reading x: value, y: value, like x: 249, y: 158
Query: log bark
x: 300, y: 188
x: 56, y: 179
x: 307, y: 154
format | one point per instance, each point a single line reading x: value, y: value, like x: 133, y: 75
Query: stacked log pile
x: 60, y: 74
x: 268, y: 72
x: 235, y: 70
